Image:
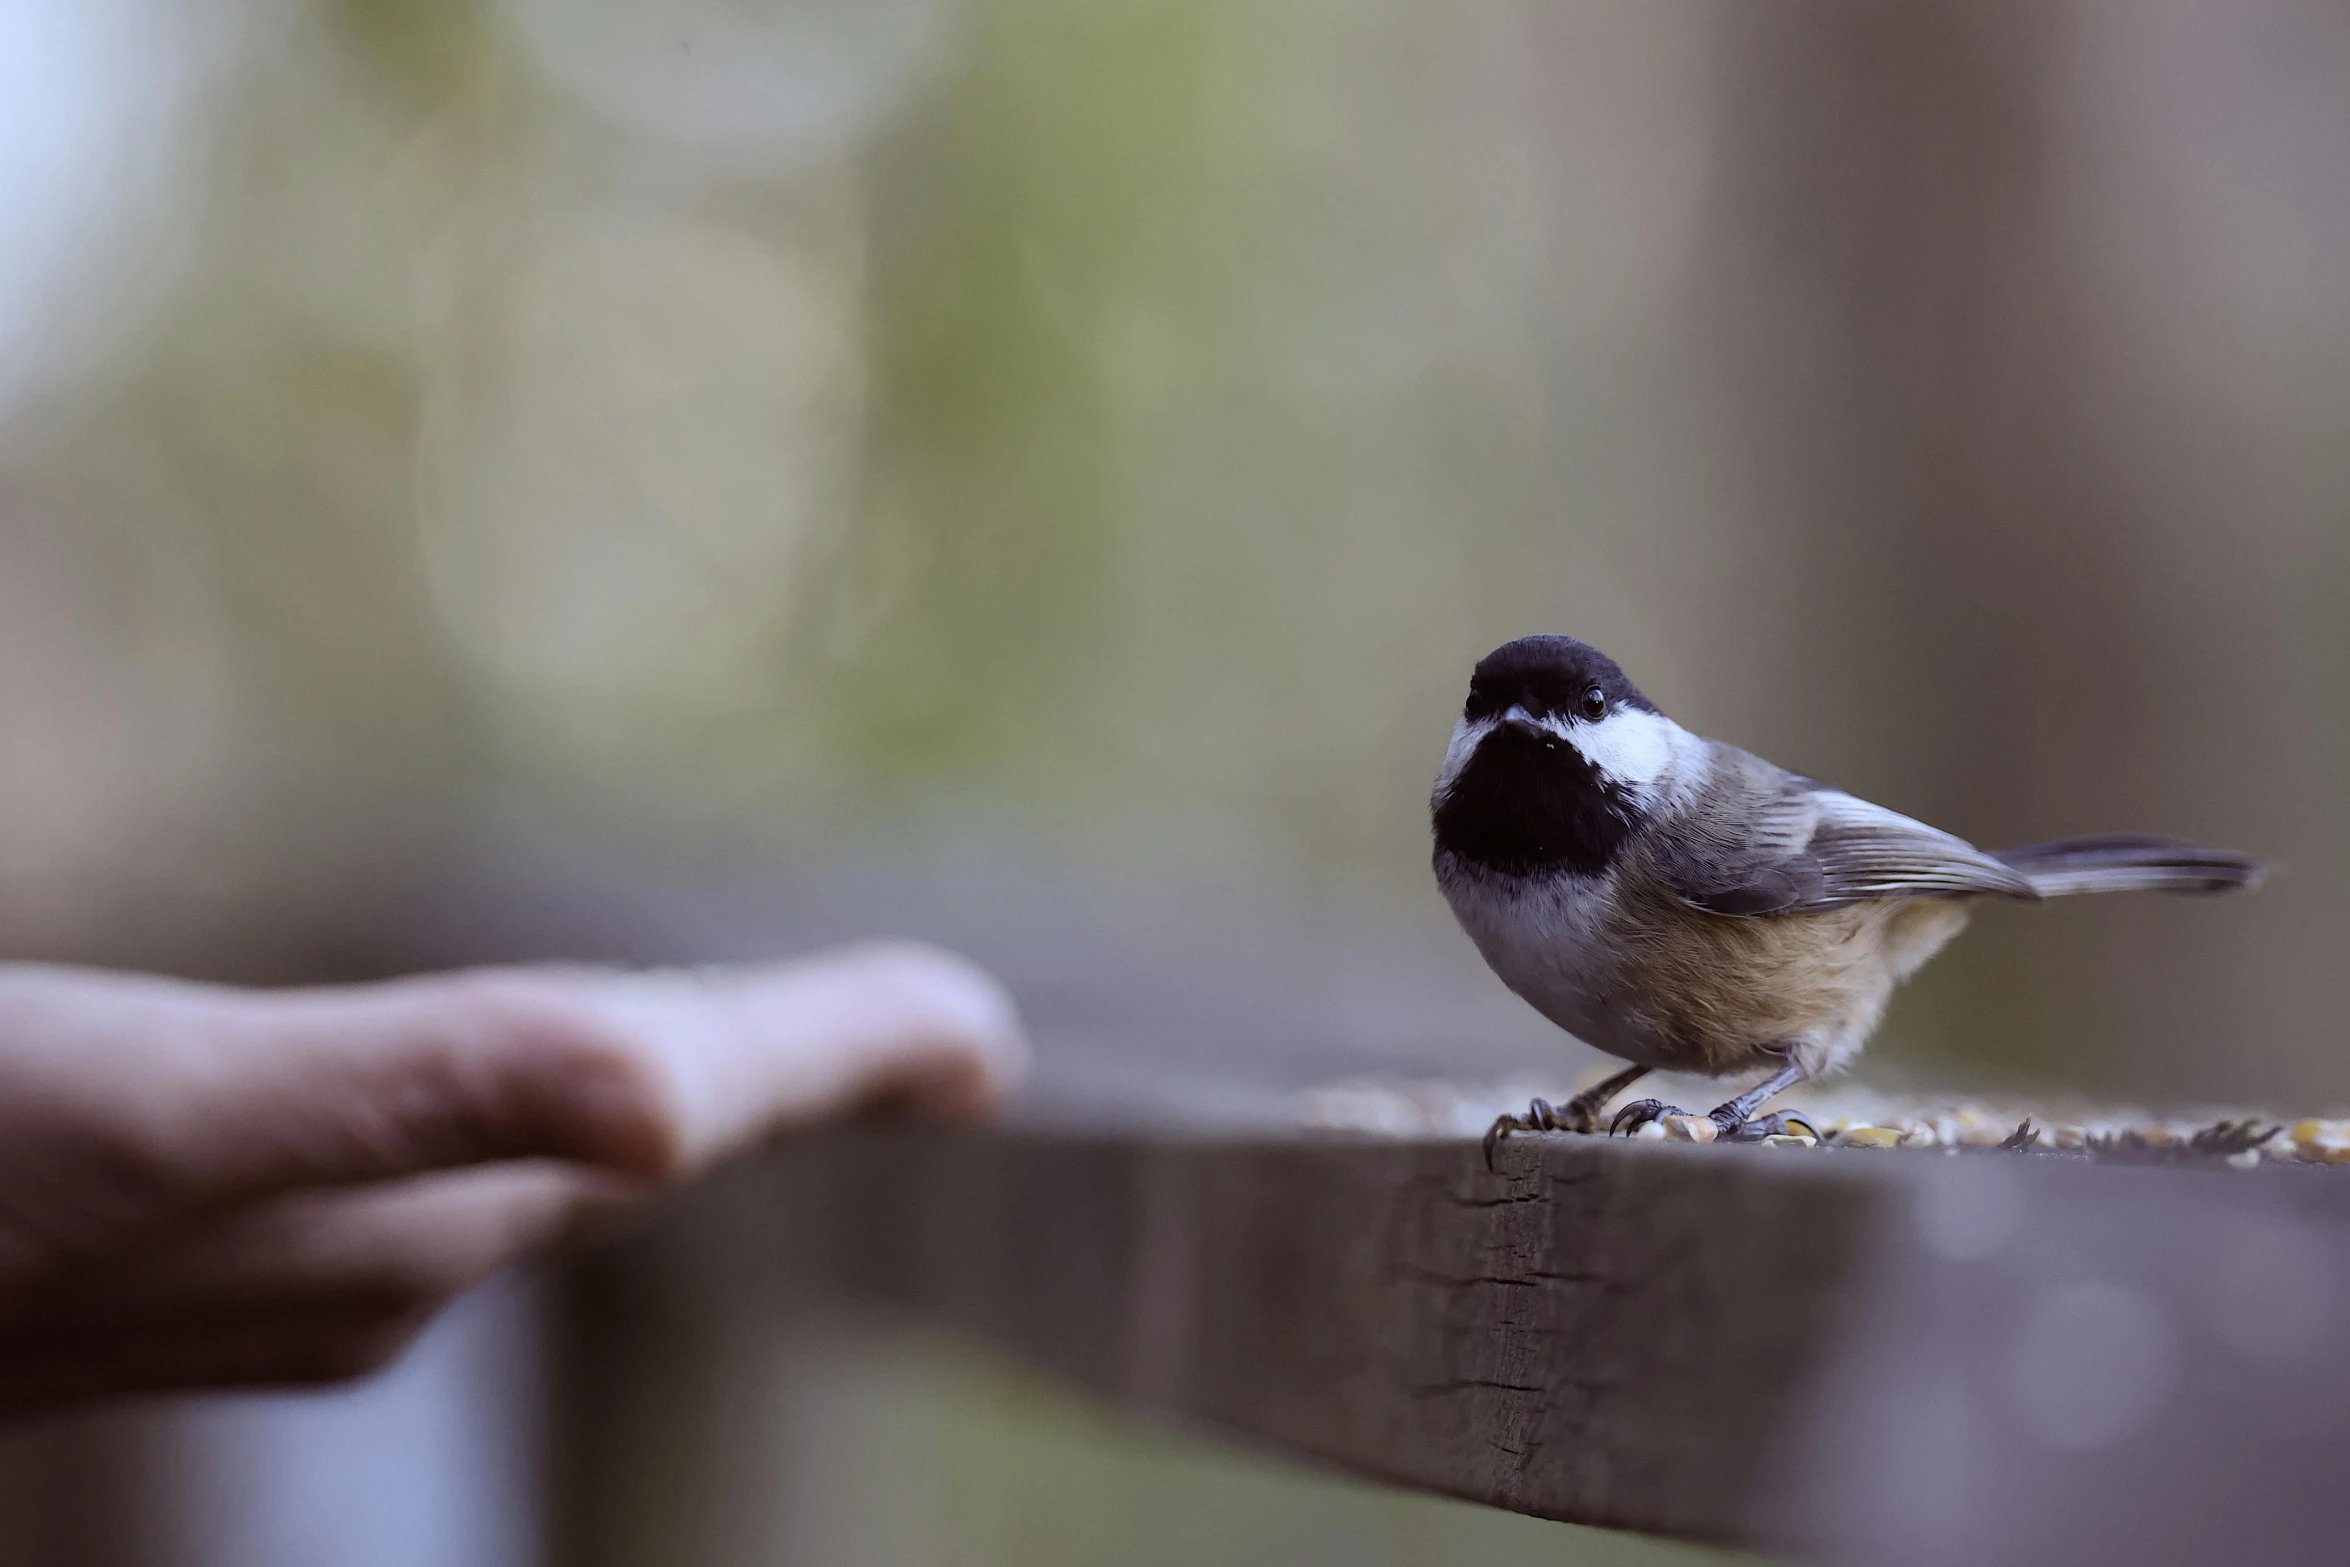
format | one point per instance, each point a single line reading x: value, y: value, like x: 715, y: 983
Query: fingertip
x: 759, y: 1050
x: 955, y: 1003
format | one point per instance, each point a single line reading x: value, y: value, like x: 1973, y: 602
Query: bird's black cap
x: 1547, y: 674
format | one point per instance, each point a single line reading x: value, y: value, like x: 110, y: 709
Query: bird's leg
x: 1733, y: 1121
x: 1579, y: 1114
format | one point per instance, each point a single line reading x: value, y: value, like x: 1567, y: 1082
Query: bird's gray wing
x: 1757, y: 840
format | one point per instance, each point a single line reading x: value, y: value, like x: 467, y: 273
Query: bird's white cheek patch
x: 1633, y: 748
x: 1465, y: 737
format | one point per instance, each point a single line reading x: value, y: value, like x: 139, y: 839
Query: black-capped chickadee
x: 1689, y: 907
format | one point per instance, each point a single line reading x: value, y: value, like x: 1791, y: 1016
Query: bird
x: 1687, y: 906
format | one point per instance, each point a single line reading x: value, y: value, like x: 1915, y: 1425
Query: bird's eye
x: 1593, y: 704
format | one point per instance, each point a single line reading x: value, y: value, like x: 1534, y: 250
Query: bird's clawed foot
x: 1779, y: 1123
x: 1638, y: 1114
x: 1579, y: 1114
x: 1730, y: 1122
x: 1539, y: 1117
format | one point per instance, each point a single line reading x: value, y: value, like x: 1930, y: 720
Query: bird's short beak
x: 1522, y: 724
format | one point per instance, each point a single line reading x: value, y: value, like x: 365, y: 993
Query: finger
x: 127, y: 1101
x: 753, y: 1052
x: 389, y: 1249
x: 124, y: 1099
x: 296, y: 1349
x: 307, y: 1286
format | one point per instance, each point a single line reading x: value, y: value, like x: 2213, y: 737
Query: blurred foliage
x: 796, y: 423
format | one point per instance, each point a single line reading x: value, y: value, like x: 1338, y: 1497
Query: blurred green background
x: 1106, y: 433
x: 679, y: 478
x: 914, y: 1452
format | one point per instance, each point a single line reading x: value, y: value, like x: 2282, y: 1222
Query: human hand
x: 203, y: 1186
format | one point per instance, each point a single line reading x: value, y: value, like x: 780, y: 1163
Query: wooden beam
x: 1871, y: 1355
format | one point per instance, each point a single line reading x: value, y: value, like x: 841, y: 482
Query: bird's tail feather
x: 2127, y: 862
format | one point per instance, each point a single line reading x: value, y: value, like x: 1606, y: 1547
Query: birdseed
x: 1852, y: 1116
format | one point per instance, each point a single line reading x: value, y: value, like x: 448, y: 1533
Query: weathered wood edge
x: 1591, y: 1334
